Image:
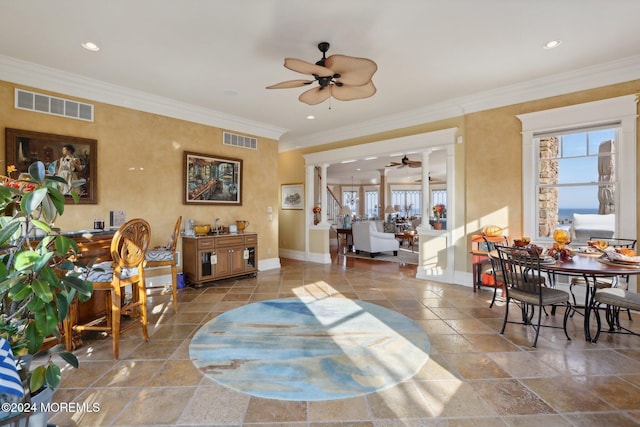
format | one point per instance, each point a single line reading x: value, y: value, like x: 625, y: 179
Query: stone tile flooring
x: 474, y: 377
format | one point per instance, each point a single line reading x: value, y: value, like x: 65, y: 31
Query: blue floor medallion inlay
x: 310, y: 349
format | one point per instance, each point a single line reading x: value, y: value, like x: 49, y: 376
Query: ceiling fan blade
x: 414, y: 164
x: 316, y: 95
x: 290, y: 83
x: 347, y: 93
x: 392, y: 164
x: 305, y: 67
x: 353, y: 71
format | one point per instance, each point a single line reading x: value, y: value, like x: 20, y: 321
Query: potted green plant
x: 38, y: 274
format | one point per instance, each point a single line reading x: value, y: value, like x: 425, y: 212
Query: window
x: 408, y: 201
x: 350, y: 199
x: 561, y: 149
x: 576, y: 174
x: 371, y: 200
x: 438, y: 197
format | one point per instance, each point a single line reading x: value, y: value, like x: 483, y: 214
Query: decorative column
x: 309, y: 195
x: 322, y: 187
x: 382, y: 203
x: 426, y: 192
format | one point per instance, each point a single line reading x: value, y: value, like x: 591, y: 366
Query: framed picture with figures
x: 69, y: 157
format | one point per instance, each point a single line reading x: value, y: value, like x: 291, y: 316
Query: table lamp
x: 346, y: 213
x: 389, y: 210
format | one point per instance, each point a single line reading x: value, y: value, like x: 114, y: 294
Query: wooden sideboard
x: 213, y: 257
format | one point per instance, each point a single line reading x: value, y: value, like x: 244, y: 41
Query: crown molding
x: 623, y: 70
x: 54, y: 80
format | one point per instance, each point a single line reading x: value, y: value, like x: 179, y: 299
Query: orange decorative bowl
x: 561, y: 236
x: 201, y: 230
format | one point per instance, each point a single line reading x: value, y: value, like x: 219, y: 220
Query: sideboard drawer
x: 205, y: 243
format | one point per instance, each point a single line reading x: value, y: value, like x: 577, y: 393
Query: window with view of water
x: 371, y: 200
x: 409, y: 201
x: 576, y: 174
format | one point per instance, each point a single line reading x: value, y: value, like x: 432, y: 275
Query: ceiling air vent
x: 239, y: 141
x: 40, y: 103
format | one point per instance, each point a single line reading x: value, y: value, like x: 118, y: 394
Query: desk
x: 590, y: 268
x: 348, y: 237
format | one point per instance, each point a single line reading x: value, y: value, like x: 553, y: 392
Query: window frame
x: 620, y: 109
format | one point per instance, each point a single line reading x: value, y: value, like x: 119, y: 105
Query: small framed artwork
x: 210, y: 179
x: 293, y: 196
x: 69, y: 157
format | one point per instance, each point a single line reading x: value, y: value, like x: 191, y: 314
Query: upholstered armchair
x: 367, y: 237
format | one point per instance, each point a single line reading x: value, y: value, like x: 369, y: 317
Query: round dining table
x: 591, y: 268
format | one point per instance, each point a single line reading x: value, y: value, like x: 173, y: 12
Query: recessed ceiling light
x: 370, y: 158
x: 311, y: 117
x: 91, y: 46
x: 552, y: 44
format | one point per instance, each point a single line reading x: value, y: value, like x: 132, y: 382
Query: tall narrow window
x: 371, y: 200
x: 407, y: 201
x: 576, y: 175
x: 350, y: 199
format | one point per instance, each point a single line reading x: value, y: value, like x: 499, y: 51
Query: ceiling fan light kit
x: 343, y: 77
x: 406, y: 162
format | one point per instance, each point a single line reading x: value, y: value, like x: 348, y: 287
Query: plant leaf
x: 37, y: 171
x: 84, y: 287
x: 52, y: 376
x: 70, y: 358
x: 62, y: 305
x: 42, y: 289
x: 37, y: 378
x: 26, y: 259
x: 9, y: 230
x: 34, y: 338
x: 32, y: 201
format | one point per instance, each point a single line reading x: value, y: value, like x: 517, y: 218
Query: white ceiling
x: 435, y: 58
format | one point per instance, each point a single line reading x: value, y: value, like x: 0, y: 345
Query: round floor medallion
x: 310, y: 349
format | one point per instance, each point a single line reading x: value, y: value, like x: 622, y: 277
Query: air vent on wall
x: 239, y: 141
x: 40, y: 103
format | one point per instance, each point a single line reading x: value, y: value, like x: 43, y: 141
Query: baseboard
x: 269, y: 264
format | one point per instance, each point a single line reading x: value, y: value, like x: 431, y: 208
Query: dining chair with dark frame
x: 525, y: 285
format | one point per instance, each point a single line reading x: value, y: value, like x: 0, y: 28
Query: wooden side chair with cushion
x: 166, y: 257
x: 128, y: 248
x: 525, y: 285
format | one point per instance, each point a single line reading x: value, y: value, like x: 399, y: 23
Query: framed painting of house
x: 210, y: 179
x: 70, y: 157
x: 293, y: 196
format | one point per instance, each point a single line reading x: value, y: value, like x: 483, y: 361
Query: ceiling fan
x: 343, y: 77
x: 406, y: 162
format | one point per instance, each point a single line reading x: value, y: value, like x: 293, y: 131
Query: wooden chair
x: 525, y: 285
x: 128, y: 248
x: 166, y: 257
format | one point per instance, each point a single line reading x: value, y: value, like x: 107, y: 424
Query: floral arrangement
x: 439, y: 211
x: 561, y: 252
x: 317, y: 209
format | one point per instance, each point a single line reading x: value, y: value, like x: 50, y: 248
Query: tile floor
x: 474, y: 377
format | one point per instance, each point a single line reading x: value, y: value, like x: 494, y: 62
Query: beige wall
x: 133, y: 139
x: 488, y: 163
